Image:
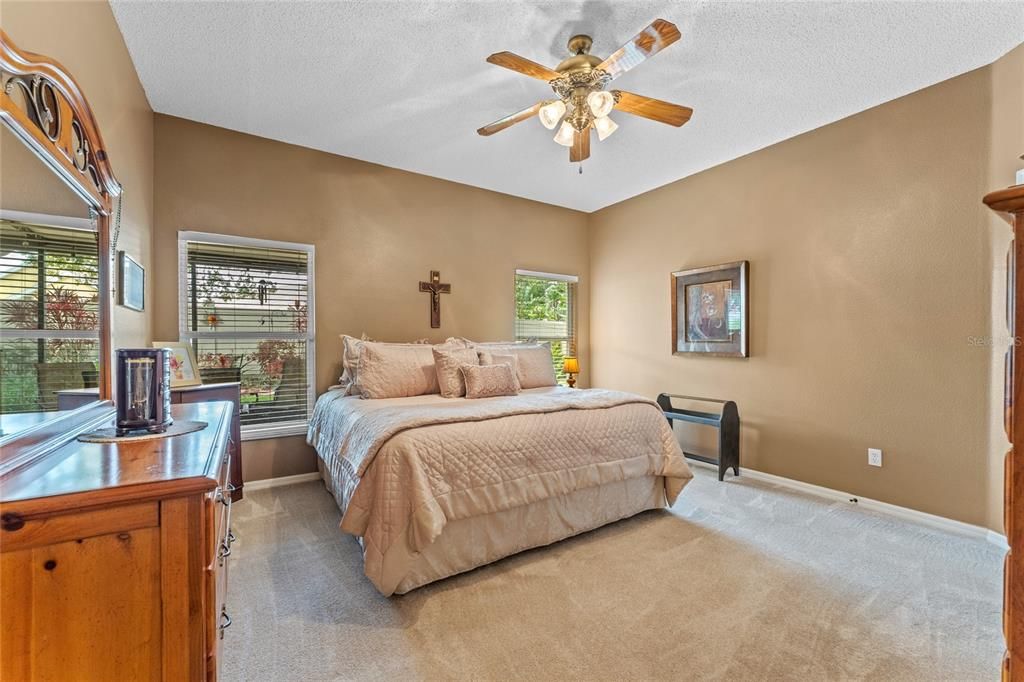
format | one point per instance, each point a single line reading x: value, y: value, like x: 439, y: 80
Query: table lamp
x: 571, y: 366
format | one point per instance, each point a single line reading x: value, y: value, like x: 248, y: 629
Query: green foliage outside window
x: 540, y: 301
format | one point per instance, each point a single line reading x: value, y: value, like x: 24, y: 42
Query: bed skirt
x: 465, y: 544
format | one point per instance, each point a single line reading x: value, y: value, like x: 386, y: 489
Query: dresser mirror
x: 56, y: 202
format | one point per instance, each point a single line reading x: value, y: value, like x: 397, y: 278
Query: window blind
x: 546, y: 311
x: 49, y: 314
x: 245, y: 309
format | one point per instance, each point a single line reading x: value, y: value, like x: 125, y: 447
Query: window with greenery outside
x: 49, y: 314
x: 545, y: 311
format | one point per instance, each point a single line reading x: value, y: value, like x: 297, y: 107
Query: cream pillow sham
x: 395, y: 371
x: 533, y: 363
x: 351, y: 347
x: 493, y: 358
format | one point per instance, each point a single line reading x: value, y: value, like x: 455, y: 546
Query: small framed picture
x: 131, y: 283
x: 709, y: 310
x: 184, y: 369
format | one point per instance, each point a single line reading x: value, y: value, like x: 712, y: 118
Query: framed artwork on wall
x: 184, y: 368
x: 131, y: 283
x: 709, y: 310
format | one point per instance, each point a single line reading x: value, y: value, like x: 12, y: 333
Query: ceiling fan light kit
x: 551, y: 113
x: 583, y: 102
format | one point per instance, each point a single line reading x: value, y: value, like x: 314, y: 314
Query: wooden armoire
x: 1011, y: 202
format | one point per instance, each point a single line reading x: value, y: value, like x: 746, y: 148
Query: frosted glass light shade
x: 601, y: 103
x: 550, y: 113
x: 604, y: 127
x: 565, y: 134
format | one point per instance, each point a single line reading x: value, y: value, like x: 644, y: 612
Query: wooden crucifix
x: 435, y: 288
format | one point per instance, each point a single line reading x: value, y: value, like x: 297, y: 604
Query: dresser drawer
x: 18, y: 533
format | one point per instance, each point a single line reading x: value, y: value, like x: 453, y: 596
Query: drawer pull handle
x: 225, y: 551
x: 225, y: 622
x: 231, y: 536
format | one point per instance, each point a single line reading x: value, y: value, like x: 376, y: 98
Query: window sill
x: 262, y: 432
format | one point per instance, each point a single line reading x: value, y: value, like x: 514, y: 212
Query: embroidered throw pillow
x: 488, y: 381
x: 447, y: 362
x: 489, y: 358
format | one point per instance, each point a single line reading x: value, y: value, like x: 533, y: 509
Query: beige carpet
x: 739, y: 581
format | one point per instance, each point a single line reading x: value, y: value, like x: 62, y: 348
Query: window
x: 546, y: 311
x: 49, y: 309
x: 246, y: 306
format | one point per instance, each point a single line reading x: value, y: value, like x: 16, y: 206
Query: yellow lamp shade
x: 571, y: 366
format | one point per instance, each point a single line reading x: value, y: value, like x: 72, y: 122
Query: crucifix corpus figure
x: 435, y: 288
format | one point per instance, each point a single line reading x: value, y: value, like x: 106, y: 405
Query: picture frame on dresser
x: 184, y: 368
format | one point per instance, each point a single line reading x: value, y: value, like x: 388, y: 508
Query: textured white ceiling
x: 405, y: 84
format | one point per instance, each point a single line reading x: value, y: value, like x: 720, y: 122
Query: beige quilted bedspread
x: 403, y: 468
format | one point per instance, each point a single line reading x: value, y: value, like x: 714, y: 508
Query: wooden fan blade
x: 654, y: 109
x: 510, y: 120
x: 580, y: 148
x: 523, y: 66
x: 649, y: 42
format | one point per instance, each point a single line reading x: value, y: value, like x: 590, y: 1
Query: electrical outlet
x: 874, y: 457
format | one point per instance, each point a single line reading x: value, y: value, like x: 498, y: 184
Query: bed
x: 436, y: 486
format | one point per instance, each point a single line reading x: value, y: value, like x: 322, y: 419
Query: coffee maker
x: 143, y: 394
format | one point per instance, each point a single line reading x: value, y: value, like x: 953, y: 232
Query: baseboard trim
x: 265, y: 483
x: 905, y: 513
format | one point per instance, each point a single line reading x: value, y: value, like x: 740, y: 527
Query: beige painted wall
x: 871, y: 263
x: 377, y: 232
x: 1005, y: 150
x: 868, y: 273
x: 85, y: 38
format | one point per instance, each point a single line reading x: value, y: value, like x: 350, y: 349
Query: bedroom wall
x: 85, y: 38
x: 1006, y: 147
x: 377, y: 231
x: 871, y: 297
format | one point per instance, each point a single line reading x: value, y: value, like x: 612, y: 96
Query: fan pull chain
x: 581, y: 168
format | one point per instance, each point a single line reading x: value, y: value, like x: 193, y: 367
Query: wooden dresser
x: 1010, y: 202
x: 69, y: 399
x: 114, y: 557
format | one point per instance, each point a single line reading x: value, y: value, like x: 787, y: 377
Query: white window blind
x: 546, y: 311
x: 49, y: 313
x: 246, y: 306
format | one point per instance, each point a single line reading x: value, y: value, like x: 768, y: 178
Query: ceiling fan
x: 580, y: 81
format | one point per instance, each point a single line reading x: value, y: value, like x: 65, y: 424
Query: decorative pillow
x: 388, y: 370
x: 488, y: 381
x: 534, y: 366
x: 447, y: 362
x: 489, y: 358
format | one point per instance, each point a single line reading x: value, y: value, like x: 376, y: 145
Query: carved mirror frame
x: 44, y: 106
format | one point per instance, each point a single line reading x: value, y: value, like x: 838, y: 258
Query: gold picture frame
x: 184, y: 368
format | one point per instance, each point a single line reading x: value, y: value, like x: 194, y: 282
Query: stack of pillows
x: 456, y: 368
